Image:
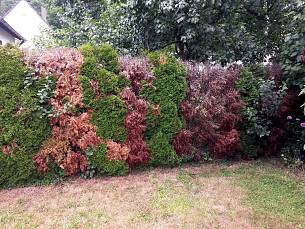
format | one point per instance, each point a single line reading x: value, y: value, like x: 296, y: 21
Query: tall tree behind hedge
x: 224, y: 30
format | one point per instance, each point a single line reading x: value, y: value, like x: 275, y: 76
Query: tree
x: 226, y: 31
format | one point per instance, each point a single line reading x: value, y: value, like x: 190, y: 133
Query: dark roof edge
x: 10, y: 30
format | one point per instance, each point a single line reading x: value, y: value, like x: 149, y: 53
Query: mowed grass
x: 242, y: 195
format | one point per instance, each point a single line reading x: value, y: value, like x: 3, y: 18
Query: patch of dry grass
x: 204, y: 196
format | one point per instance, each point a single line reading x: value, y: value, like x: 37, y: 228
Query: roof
x: 10, y: 30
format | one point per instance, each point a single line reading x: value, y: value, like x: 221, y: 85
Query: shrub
x: 164, y: 95
x: 110, y: 83
x: 107, y: 57
x: 97, y: 57
x: 59, y: 152
x: 72, y: 132
x: 108, y: 116
x: 90, y: 94
x: 137, y: 70
x: 22, y: 129
x: 104, y: 166
x: 16, y: 168
x: 262, y: 93
x: 169, y: 83
x: 162, y: 153
x: 212, y: 109
x: 135, y: 128
x: 166, y: 121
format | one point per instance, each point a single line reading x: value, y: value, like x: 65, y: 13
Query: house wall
x: 5, y: 37
x: 27, y: 22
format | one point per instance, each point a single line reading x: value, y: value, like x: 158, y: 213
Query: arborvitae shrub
x: 22, y: 129
x: 164, y: 94
x: 104, y: 166
x: 107, y: 57
x: 169, y: 83
x: 167, y: 121
x: 110, y: 83
x: 108, y: 116
x: 89, y: 67
x: 89, y: 95
x: 162, y: 153
x: 16, y: 168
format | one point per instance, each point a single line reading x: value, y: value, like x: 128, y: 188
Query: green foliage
x: 89, y: 67
x: 110, y: 83
x: 291, y: 51
x: 22, y: 127
x: 223, y: 31
x: 100, y: 162
x: 168, y: 89
x: 108, y: 117
x: 170, y: 80
x: 16, y: 169
x: 107, y: 57
x: 248, y: 87
x: 162, y: 152
x: 168, y: 122
x: 98, y: 57
x: 88, y: 94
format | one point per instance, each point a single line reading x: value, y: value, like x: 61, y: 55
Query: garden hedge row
x: 65, y: 112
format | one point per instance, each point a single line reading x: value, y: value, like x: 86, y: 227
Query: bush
x: 16, y: 168
x: 21, y: 125
x: 89, y: 92
x: 135, y: 127
x: 110, y: 83
x: 104, y: 166
x: 162, y: 153
x: 212, y: 109
x: 103, y: 56
x: 108, y: 116
x: 169, y: 83
x: 262, y: 93
x: 166, y: 121
x: 164, y: 95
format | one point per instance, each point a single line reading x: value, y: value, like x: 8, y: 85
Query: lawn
x: 241, y: 195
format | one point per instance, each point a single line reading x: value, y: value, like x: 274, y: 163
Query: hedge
x: 102, y: 114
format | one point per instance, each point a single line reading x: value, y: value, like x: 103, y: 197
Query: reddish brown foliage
x: 116, y: 151
x: 71, y: 133
x: 182, y: 143
x: 64, y: 63
x: 60, y: 153
x: 274, y: 142
x: 77, y: 130
x: 8, y: 149
x: 274, y: 72
x: 136, y: 69
x: 135, y: 127
x: 303, y: 56
x: 225, y: 144
x: 212, y: 108
x: 290, y: 106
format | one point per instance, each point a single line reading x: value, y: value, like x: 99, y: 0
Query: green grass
x: 273, y: 193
